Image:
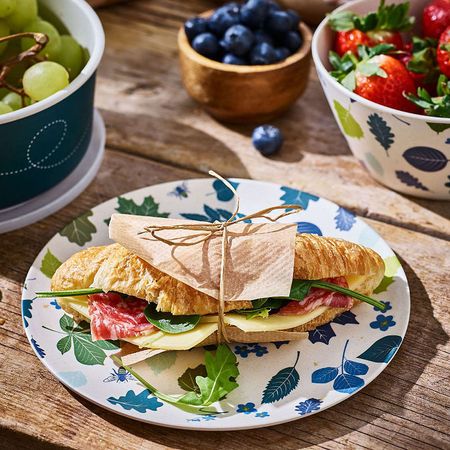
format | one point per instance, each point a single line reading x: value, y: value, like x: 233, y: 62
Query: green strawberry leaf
x: 80, y: 230
x: 187, y: 380
x: 350, y: 126
x: 341, y: 21
x: 64, y: 344
x: 385, y: 283
x: 349, y: 81
x: 49, y: 264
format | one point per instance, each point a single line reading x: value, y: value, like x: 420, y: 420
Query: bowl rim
x: 368, y: 103
x: 185, y: 47
x: 88, y: 70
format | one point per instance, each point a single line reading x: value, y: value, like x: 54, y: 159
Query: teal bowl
x: 42, y: 144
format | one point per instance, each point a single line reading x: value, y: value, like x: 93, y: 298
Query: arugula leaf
x: 261, y: 308
x: 169, y: 323
x: 220, y: 380
x: 74, y: 293
x: 300, y: 289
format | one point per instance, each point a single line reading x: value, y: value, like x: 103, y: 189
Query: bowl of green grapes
x: 49, y: 54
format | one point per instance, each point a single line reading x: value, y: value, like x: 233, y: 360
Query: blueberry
x: 278, y: 22
x: 292, y: 41
x: 281, y: 53
x: 238, y: 39
x: 262, y: 36
x: 262, y: 54
x: 267, y: 139
x: 195, y: 26
x: 206, y: 44
x: 274, y: 6
x: 254, y: 13
x: 229, y: 58
x: 223, y: 18
x: 295, y: 19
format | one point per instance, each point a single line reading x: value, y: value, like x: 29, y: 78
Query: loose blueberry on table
x: 257, y: 32
x: 267, y: 139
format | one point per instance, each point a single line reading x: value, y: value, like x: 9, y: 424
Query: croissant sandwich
x: 126, y: 298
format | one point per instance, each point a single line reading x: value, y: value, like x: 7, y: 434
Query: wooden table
x: 156, y: 134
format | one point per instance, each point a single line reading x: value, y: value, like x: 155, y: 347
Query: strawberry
x: 380, y: 27
x: 436, y: 18
x: 375, y: 76
x: 443, y: 52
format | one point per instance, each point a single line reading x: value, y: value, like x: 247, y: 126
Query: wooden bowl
x: 245, y: 94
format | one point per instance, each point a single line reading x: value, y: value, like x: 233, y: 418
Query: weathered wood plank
x: 148, y: 113
x: 405, y: 407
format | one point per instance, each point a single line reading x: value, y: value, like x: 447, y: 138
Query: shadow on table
x: 386, y: 395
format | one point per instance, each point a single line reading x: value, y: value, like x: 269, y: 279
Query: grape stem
x: 40, y: 41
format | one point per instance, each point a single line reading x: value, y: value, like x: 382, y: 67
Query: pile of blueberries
x: 254, y: 33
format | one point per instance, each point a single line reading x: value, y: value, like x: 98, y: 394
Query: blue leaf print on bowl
x: 383, y: 322
x: 344, y: 219
x: 278, y: 344
x: 382, y: 350
x: 323, y: 334
x: 307, y: 227
x: 346, y: 379
x: 211, y: 215
x: 427, y: 159
x: 223, y: 193
x: 141, y: 402
x: 248, y: 408
x: 325, y: 375
x: 308, y: 406
x: 244, y: 350
x: 294, y: 196
x: 381, y: 130
x: 38, y: 348
x: 410, y: 180
x: 27, y: 306
x: 281, y: 384
x: 347, y: 317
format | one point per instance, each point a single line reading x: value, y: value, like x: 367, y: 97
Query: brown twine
x: 217, y: 228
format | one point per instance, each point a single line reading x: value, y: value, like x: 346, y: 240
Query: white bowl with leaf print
x: 407, y: 152
x: 279, y: 381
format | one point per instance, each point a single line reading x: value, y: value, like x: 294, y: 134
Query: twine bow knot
x: 217, y: 228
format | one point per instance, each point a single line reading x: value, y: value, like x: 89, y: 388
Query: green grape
x: 4, y: 31
x: 44, y: 79
x: 25, y: 12
x: 4, y: 108
x: 53, y: 47
x: 15, y: 100
x: 7, y: 7
x: 71, y: 56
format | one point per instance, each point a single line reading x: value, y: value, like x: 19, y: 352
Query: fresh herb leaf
x: 261, y: 308
x: 220, y: 380
x: 74, y: 293
x: 187, y: 380
x: 300, y: 289
x: 169, y: 323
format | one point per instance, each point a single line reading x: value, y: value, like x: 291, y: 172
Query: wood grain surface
x: 157, y: 134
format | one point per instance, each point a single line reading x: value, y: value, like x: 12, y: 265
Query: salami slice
x: 319, y: 297
x: 114, y: 316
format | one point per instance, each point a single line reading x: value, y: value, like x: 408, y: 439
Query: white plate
x: 64, y: 192
x: 355, y: 348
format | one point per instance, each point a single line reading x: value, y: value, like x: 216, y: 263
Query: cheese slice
x: 275, y: 322
x: 355, y: 281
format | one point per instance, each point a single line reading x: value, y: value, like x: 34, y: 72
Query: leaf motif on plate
x: 355, y: 368
x: 281, y: 384
x: 383, y: 286
x: 223, y: 193
x: 211, y: 215
x: 381, y: 130
x: 344, y: 219
x: 347, y: 384
x: 49, y: 264
x: 187, y: 380
x: 410, y: 180
x: 348, y: 123
x: 142, y: 402
x: 438, y: 127
x: 147, y: 208
x: 392, y: 264
x: 309, y: 228
x: 39, y: 350
x: 347, y: 317
x: 27, y: 306
x: 161, y: 362
x: 427, y: 159
x: 382, y: 350
x: 322, y: 333
x: 64, y: 344
x: 324, y: 375
x: 296, y: 197
x: 308, y: 406
x: 80, y: 230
